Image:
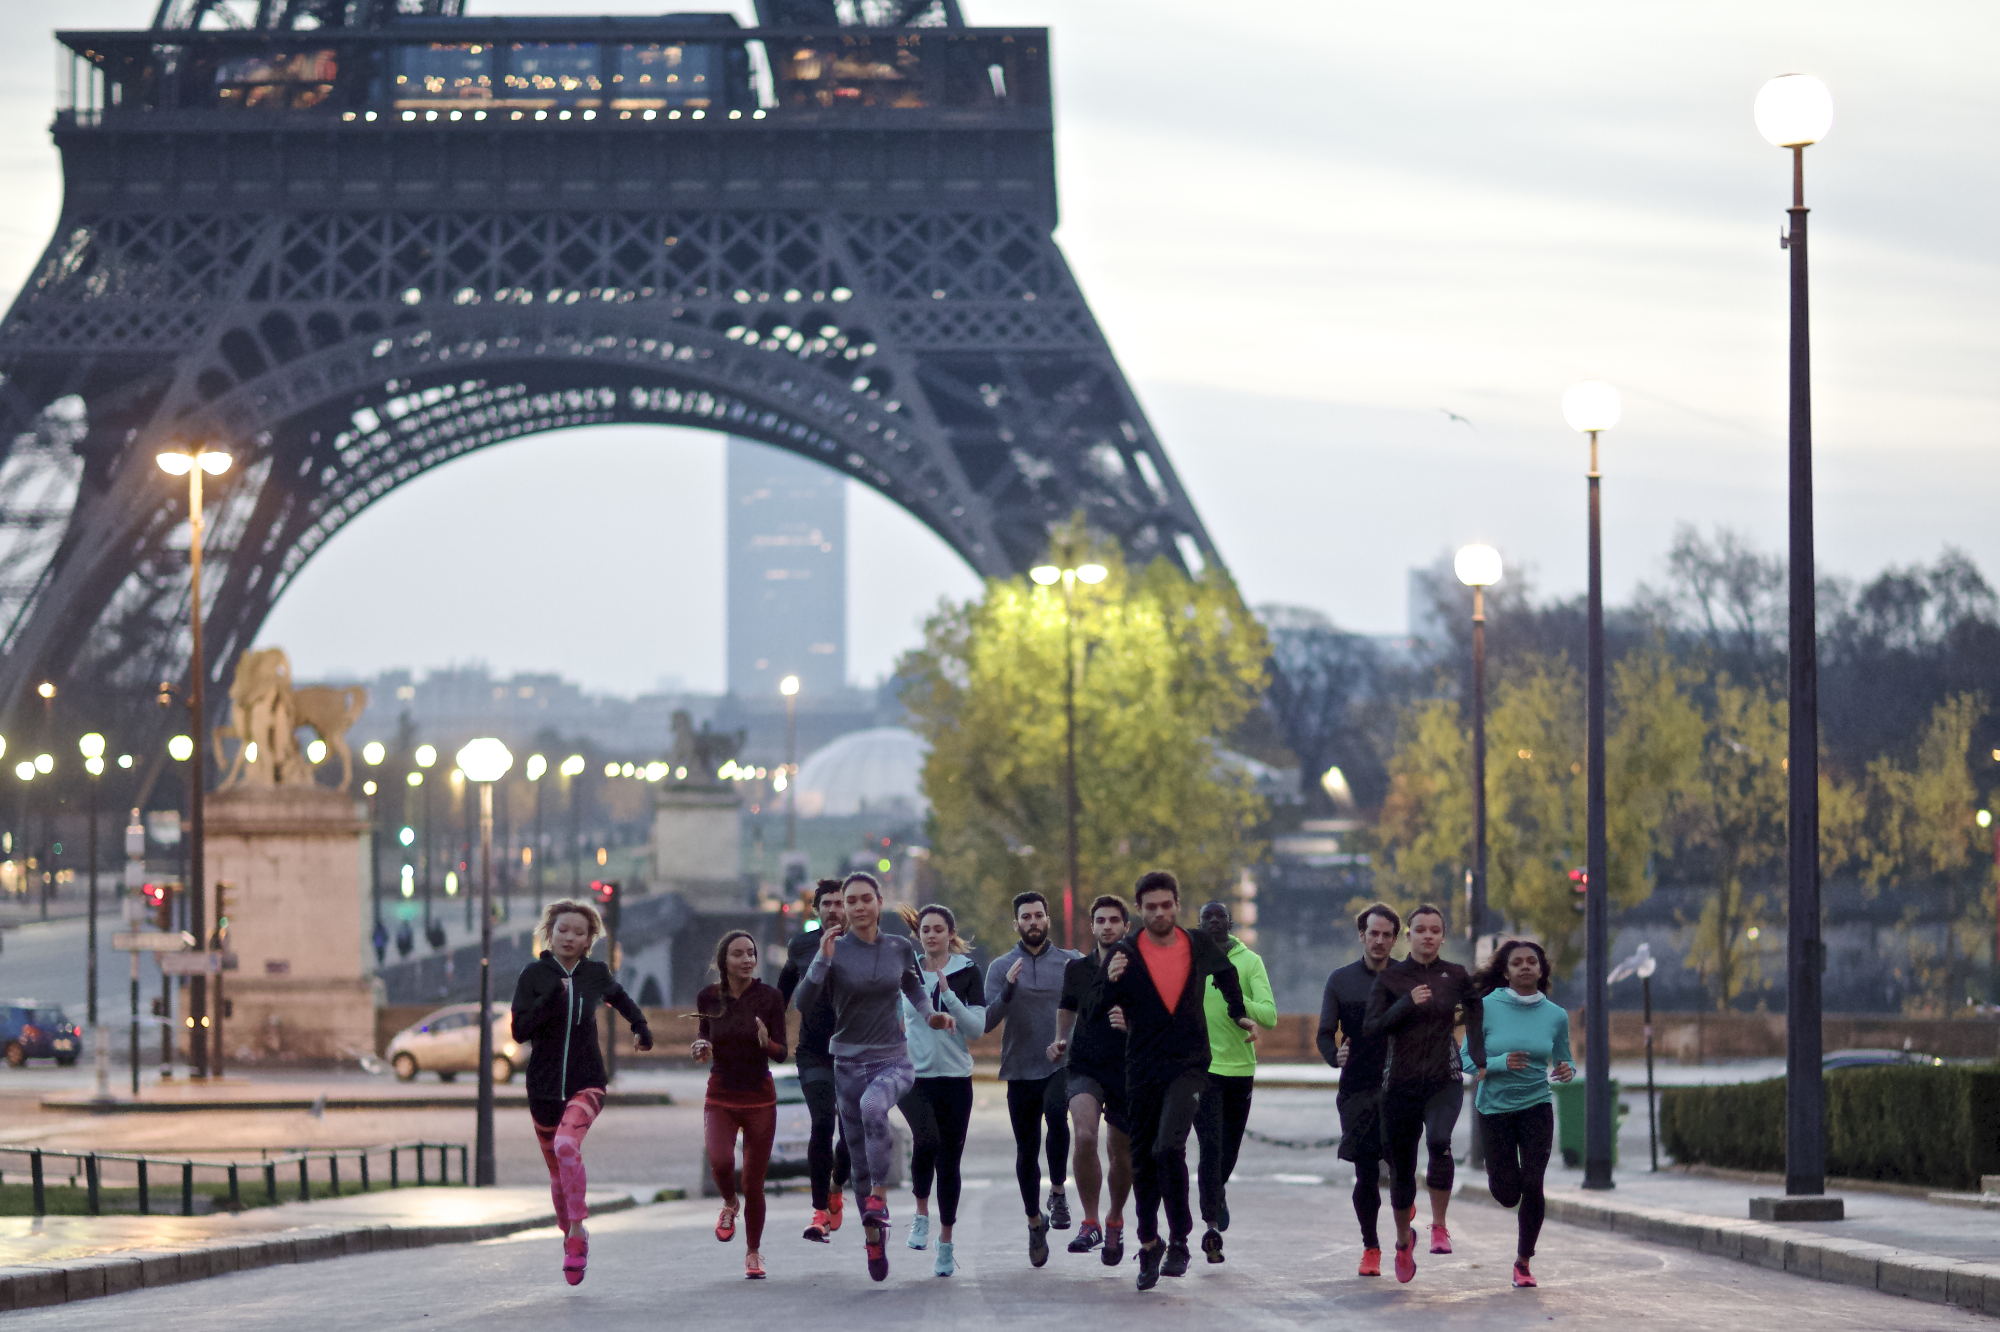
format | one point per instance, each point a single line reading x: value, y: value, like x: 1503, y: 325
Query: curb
x: 32, y: 1286
x: 83, y: 1105
x: 1893, y: 1271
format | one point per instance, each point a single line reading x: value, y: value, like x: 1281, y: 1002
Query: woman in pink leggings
x: 742, y: 1030
x: 555, y: 1007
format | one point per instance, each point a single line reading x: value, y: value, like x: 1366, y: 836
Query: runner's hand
x: 1516, y: 1060
x: 700, y: 1051
x: 1115, y: 967
x: 1117, y: 1017
x: 1564, y: 1072
x: 1014, y: 972
x: 763, y: 1033
x: 1421, y: 995
x: 942, y: 1022
x: 826, y: 945
x: 1249, y: 1030
x: 642, y: 1040
x: 1056, y: 1049
x: 1340, y: 1055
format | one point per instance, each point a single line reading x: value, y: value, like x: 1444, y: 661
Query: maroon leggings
x: 758, y: 1126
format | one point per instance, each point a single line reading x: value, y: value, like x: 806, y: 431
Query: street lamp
x: 485, y: 761
x: 572, y: 769
x: 1795, y: 111
x: 373, y: 753
x: 1047, y: 575
x: 425, y: 756
x: 195, y: 463
x: 92, y: 748
x: 1478, y: 567
x: 537, y: 768
x: 789, y: 687
x: 1590, y: 408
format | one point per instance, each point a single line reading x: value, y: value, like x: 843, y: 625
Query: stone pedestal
x: 295, y: 859
x: 698, y: 847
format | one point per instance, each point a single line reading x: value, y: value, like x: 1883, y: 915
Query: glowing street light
x: 180, y: 749
x: 91, y: 746
x: 536, y: 768
x: 485, y: 761
x: 373, y: 753
x: 789, y: 687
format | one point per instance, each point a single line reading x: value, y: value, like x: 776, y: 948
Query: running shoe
x: 1222, y: 1222
x: 819, y: 1229
x: 1440, y: 1240
x: 1038, y: 1240
x: 1523, y: 1278
x: 725, y: 1225
x: 1211, y: 1244
x: 1088, y: 1237
x: 875, y: 1236
x: 1406, y: 1261
x: 836, y: 1204
x: 920, y: 1232
x: 1149, y: 1265
x: 1058, y: 1210
x: 945, y: 1265
x: 576, y: 1253
x: 1371, y: 1263
x: 1177, y: 1259
x: 1114, y: 1246
x: 753, y: 1267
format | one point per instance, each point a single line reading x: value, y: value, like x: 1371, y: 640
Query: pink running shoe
x: 576, y: 1253
x: 1440, y: 1240
x: 1406, y: 1261
x: 1523, y: 1278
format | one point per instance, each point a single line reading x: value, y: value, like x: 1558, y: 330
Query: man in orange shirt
x: 1156, y: 980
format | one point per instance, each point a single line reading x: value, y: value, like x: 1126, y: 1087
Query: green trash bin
x: 1570, y: 1111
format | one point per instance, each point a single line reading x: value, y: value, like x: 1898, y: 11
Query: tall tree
x: 1322, y: 683
x: 1165, y: 666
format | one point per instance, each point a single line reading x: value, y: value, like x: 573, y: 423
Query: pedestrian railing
x: 91, y: 1168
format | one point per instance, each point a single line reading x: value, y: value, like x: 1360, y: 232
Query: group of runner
x: 1119, y: 1053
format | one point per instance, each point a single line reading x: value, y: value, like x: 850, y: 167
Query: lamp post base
x: 1815, y: 1208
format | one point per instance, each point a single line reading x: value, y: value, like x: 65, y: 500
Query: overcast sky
x: 1310, y: 230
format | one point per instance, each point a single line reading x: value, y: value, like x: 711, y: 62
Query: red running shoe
x: 1523, y: 1278
x: 836, y: 1203
x: 1406, y: 1261
x: 576, y: 1253
x: 875, y: 1232
x: 1440, y: 1240
x: 725, y: 1225
x: 1371, y: 1262
x: 819, y: 1228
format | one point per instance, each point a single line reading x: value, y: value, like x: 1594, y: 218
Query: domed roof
x: 878, y: 771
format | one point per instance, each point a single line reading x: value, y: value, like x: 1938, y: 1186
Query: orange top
x: 1167, y: 964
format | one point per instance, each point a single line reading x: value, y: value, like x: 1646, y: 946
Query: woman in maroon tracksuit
x: 743, y: 1030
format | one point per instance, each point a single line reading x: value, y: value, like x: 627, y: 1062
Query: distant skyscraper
x: 787, y: 535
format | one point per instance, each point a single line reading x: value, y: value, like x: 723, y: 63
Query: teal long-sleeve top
x: 1537, y: 1027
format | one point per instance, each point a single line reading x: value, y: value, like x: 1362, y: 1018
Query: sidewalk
x: 1896, y: 1244
x: 58, y: 1259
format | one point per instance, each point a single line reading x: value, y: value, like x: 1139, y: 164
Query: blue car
x: 33, y: 1030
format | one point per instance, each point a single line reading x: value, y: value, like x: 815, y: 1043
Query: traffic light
x: 223, y: 893
x: 1580, y: 882
x: 160, y: 899
x: 606, y: 892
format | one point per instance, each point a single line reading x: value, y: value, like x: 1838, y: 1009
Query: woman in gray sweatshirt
x: 864, y: 973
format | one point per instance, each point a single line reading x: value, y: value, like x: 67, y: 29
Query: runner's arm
x: 1475, y: 1028
x: 1385, y: 1013
x: 970, y: 1015
x: 1230, y: 984
x: 1328, y: 1039
x: 814, y: 984
x: 534, y: 1008
x: 632, y: 1013
x: 1258, y: 1001
x: 999, y: 992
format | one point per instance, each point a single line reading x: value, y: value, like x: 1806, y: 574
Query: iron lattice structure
x: 309, y: 247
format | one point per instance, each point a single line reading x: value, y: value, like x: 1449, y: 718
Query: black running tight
x: 1517, y: 1159
x: 939, y: 1111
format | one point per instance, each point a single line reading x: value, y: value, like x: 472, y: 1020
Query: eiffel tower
x: 349, y: 241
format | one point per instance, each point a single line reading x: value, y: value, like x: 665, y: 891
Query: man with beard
x: 1093, y: 1057
x: 1360, y: 1058
x: 1155, y: 981
x: 1023, y: 988
x: 826, y: 1164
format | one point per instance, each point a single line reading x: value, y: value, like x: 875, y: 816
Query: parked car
x: 1833, y: 1059
x: 447, y: 1043
x: 30, y: 1029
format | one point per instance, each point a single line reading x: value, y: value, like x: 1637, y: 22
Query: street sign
x: 196, y: 964
x: 151, y: 941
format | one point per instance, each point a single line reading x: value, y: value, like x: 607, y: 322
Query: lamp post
x: 425, y: 756
x: 485, y: 762
x: 537, y: 768
x: 1793, y: 112
x: 194, y: 463
x: 1047, y: 575
x: 789, y: 687
x: 572, y: 769
x: 1590, y: 408
x: 373, y: 753
x: 45, y: 763
x: 1478, y: 567
x: 92, y: 748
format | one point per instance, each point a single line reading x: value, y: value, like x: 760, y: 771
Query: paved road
x: 1290, y: 1266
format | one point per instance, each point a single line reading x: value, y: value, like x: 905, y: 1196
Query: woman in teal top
x: 1527, y: 1043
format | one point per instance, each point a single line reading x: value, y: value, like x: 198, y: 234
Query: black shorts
x: 1107, y: 1088
x: 1360, y: 1127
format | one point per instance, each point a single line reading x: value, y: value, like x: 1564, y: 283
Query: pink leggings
x: 562, y: 1148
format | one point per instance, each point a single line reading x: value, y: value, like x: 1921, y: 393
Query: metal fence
x: 296, y: 1168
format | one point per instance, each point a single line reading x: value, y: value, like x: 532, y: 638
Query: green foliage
x: 1165, y: 666
x: 1936, y: 1127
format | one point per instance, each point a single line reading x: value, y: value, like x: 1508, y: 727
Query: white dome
x: 878, y: 771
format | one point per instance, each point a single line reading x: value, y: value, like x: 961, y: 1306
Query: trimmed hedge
x: 1936, y: 1127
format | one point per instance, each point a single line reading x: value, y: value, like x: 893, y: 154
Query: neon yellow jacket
x: 1229, y: 1054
